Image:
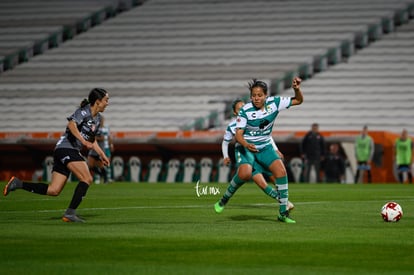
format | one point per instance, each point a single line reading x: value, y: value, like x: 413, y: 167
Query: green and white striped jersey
x: 230, y: 131
x: 258, y: 124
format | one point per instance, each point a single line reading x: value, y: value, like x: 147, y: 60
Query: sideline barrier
x: 194, y: 142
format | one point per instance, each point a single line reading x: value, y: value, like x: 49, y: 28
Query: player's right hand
x: 88, y: 145
x: 252, y: 148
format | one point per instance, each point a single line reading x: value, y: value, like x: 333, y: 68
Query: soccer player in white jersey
x: 258, y: 172
x: 254, y: 133
x: 80, y: 132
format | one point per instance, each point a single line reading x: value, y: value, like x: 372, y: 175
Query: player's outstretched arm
x: 298, y: 98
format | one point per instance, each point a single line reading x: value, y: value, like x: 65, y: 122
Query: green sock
x: 270, y: 192
x: 282, y: 187
x: 235, y: 183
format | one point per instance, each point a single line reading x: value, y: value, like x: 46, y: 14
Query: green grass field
x: 163, y: 228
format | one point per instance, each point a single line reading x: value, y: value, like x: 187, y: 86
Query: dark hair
x: 94, y: 95
x: 235, y: 102
x: 257, y: 83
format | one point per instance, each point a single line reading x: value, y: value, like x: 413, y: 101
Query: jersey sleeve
x: 241, y: 120
x: 77, y: 116
x: 228, y: 135
x: 225, y: 148
x: 283, y: 102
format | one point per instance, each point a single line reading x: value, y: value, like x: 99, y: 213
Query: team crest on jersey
x: 268, y: 108
x: 238, y: 119
x: 91, y: 125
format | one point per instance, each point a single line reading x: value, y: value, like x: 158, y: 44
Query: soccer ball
x: 391, y: 212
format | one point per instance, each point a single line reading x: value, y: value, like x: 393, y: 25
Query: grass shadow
x: 251, y: 218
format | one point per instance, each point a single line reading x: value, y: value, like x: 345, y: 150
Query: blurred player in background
x: 313, y: 152
x: 80, y: 132
x: 403, y: 156
x: 104, y: 139
x: 334, y: 165
x: 254, y: 133
x: 258, y: 172
x: 364, y: 152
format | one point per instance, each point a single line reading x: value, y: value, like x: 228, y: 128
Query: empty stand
x: 28, y: 28
x: 373, y: 87
x: 172, y: 65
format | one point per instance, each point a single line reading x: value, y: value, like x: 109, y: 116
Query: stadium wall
x: 23, y: 153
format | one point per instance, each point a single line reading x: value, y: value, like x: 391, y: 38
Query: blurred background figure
x: 334, y: 165
x: 403, y: 156
x: 313, y: 151
x: 364, y: 151
x: 104, y: 140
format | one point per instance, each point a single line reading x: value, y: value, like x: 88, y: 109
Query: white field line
x: 195, y: 206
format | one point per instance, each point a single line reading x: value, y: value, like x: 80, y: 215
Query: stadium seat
x: 155, y: 169
x: 47, y: 168
x: 134, y: 169
x: 296, y: 167
x: 189, y: 170
x: 223, y: 172
x: 173, y: 170
x: 206, y: 168
x: 117, y: 168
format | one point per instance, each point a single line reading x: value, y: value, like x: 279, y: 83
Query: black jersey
x: 87, y: 125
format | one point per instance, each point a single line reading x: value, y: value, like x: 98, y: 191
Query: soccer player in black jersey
x: 80, y: 132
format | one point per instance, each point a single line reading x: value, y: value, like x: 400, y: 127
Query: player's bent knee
x: 53, y: 192
x: 87, y: 180
x: 244, y: 176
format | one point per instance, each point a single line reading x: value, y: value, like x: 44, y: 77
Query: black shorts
x: 94, y: 154
x: 61, y: 158
x: 404, y: 168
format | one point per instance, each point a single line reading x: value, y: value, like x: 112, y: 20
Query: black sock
x: 369, y: 176
x: 104, y: 174
x: 96, y: 170
x: 356, y: 177
x: 400, y: 177
x: 35, y: 187
x: 78, y: 195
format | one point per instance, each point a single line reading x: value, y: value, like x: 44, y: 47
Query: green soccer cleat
x: 218, y: 208
x: 285, y: 218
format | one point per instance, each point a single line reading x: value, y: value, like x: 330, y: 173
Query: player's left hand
x: 105, y: 160
x: 296, y: 82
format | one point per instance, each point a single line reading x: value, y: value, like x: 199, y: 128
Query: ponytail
x: 84, y: 102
